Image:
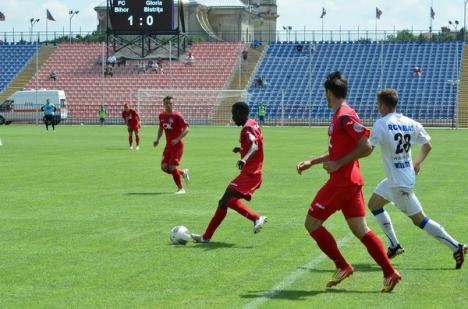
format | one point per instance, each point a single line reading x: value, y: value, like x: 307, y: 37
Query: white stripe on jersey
x: 396, y: 133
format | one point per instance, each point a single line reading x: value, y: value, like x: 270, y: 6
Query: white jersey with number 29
x: 395, y: 134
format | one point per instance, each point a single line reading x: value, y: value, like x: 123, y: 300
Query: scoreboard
x: 141, y: 16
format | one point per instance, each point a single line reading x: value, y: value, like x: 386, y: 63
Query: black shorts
x: 48, y: 118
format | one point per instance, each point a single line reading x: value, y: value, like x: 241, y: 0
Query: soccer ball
x: 180, y: 235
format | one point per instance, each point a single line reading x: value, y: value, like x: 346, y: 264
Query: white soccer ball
x: 180, y: 235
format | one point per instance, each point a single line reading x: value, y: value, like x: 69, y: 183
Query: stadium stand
x: 295, y: 78
x: 80, y: 77
x: 13, y: 58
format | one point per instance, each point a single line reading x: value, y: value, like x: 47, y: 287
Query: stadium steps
x: 222, y: 114
x: 27, y: 74
x: 463, y: 95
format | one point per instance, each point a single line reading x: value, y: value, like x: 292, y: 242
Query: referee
x: 49, y: 112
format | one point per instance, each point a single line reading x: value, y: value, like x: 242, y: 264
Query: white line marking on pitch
x: 289, y: 280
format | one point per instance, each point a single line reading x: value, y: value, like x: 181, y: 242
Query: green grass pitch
x: 84, y: 223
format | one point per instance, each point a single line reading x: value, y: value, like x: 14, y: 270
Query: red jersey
x: 173, y: 124
x: 251, y: 133
x: 131, y: 117
x: 344, y: 133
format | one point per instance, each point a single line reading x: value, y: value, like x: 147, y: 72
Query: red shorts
x: 173, y: 153
x: 330, y: 198
x: 133, y: 128
x: 246, y: 184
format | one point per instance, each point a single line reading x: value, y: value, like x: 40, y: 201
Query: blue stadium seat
x: 14, y: 56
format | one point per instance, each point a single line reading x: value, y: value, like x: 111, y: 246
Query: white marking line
x: 289, y: 280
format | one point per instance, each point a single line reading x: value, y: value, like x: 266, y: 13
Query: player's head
x: 336, y: 86
x: 387, y: 100
x: 48, y: 101
x: 240, y: 113
x: 167, y: 103
x: 125, y: 107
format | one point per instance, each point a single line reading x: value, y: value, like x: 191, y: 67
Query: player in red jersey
x: 175, y: 128
x: 348, y: 141
x: 250, y: 178
x: 132, y: 120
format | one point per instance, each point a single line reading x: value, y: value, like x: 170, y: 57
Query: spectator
x: 299, y: 48
x: 159, y: 61
x: 108, y: 71
x: 53, y: 75
x: 260, y: 82
x: 99, y: 60
x: 112, y: 60
x: 121, y: 61
x: 102, y: 114
x: 189, y: 60
x: 417, y: 71
x: 245, y: 55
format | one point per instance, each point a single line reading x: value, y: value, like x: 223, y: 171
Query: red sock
x: 328, y: 245
x: 237, y: 205
x: 177, y: 179
x: 130, y: 140
x: 137, y: 138
x: 377, y: 251
x: 218, y: 217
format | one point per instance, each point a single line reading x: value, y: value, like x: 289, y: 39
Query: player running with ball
x: 250, y: 178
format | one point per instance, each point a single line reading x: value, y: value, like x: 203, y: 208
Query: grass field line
x: 293, y: 277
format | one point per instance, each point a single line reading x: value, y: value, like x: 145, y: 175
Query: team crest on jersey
x: 358, y: 127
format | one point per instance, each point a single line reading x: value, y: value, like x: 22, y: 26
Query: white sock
x: 385, y: 223
x: 437, y: 231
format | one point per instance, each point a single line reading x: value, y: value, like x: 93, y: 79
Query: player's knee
x: 311, y: 224
x: 222, y: 203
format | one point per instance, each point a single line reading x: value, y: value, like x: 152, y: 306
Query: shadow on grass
x: 212, y: 245
x: 301, y: 294
x: 357, y: 267
x: 147, y: 193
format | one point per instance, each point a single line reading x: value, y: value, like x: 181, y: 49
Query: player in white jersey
x: 395, y: 134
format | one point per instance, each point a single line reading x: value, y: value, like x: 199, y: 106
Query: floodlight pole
x: 72, y: 13
x: 464, y: 22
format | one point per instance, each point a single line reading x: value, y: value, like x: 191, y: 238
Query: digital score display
x: 139, y: 16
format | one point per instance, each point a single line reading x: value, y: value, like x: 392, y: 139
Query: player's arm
x: 363, y: 149
x: 158, y: 136
x: 425, y: 149
x: 181, y: 136
x: 250, y: 153
x: 305, y: 165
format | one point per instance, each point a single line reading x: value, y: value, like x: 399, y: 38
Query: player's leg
x: 130, y: 138
x: 322, y: 207
x: 376, y: 204
x: 218, y: 217
x: 52, y: 122
x: 177, y: 177
x: 437, y: 231
x: 355, y: 213
x: 46, y: 122
x: 137, y: 137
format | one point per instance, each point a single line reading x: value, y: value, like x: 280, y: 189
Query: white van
x: 25, y: 106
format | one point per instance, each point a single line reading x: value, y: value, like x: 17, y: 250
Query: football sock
x: 237, y: 205
x: 438, y: 232
x: 130, y: 140
x: 385, y: 223
x: 328, y: 245
x: 137, y: 139
x: 177, y: 179
x: 218, y: 217
x: 377, y: 251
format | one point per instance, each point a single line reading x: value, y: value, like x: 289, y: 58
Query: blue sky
x: 296, y: 13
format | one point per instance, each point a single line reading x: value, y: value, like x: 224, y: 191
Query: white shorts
x: 401, y: 197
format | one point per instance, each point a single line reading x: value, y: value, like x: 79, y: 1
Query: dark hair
x: 337, y: 84
x: 388, y: 97
x: 241, y: 108
x: 167, y: 98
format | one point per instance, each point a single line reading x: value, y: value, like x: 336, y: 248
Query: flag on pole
x: 49, y: 16
x: 432, y: 13
x: 324, y: 12
x: 378, y: 13
x: 2, y: 16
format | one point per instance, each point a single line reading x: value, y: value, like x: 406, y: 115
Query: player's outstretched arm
x: 425, y: 149
x: 363, y: 149
x: 158, y: 137
x: 305, y: 165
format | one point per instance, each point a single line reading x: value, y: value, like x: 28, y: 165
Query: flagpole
x: 430, y: 19
x: 46, y: 29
